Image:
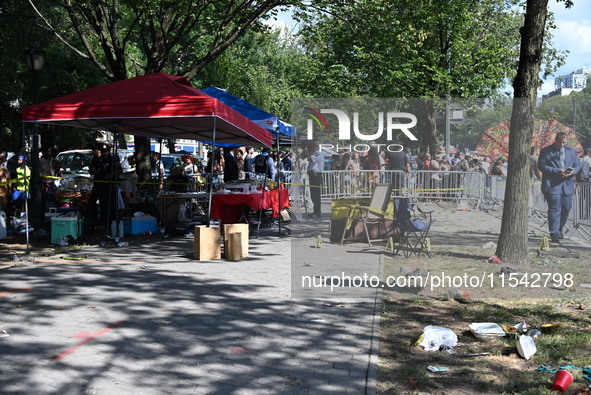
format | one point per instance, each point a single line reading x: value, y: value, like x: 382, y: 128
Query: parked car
x: 75, y: 167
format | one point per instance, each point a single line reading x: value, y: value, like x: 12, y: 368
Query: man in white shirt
x: 585, y: 173
x: 315, y: 168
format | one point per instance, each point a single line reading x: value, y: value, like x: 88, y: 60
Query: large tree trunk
x: 512, y: 244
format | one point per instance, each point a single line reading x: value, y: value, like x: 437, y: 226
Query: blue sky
x: 573, y: 33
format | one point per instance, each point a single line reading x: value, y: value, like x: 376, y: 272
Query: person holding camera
x: 558, y: 163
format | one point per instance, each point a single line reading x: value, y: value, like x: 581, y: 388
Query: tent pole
x: 211, y: 173
x: 278, y: 180
x: 26, y: 197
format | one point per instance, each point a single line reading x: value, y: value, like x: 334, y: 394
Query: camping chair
x: 374, y: 213
x: 414, y: 229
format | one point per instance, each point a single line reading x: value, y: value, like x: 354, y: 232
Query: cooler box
x: 65, y: 226
x: 140, y: 225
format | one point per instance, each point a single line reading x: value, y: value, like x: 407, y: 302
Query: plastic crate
x: 140, y: 225
x: 65, y: 226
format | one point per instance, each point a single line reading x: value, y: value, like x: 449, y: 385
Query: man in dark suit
x: 558, y: 163
x: 230, y: 165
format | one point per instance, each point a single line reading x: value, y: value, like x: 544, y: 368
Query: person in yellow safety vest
x: 21, y: 186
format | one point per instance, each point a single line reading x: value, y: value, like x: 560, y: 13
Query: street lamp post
x: 35, y: 57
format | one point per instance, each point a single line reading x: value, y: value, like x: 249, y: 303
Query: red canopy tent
x: 153, y: 105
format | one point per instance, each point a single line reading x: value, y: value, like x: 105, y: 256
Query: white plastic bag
x: 434, y: 337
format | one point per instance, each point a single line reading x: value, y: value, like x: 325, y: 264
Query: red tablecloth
x: 229, y: 206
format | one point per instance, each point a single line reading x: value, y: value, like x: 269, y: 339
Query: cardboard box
x: 233, y: 246
x: 236, y: 228
x: 207, y: 244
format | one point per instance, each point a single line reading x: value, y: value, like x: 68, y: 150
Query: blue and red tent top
x: 266, y: 120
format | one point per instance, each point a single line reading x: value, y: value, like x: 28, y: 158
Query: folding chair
x: 414, y: 229
x: 374, y: 213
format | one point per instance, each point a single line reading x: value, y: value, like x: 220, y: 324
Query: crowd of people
x: 15, y: 179
x: 224, y: 165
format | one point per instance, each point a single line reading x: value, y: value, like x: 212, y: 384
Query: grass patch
x: 405, y: 314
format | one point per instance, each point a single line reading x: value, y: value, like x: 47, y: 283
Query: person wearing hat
x: 558, y: 163
x: 464, y: 164
x: 21, y: 186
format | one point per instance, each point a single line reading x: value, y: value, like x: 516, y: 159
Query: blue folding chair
x: 414, y: 229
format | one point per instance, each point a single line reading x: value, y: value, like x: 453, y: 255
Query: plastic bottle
x: 122, y: 244
x: 114, y: 228
x: 121, y: 230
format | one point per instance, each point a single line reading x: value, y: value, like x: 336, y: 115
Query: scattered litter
x: 508, y: 270
x: 437, y: 369
x: 526, y: 347
x: 145, y: 266
x: 562, y: 380
x: 91, y: 307
x: 448, y: 350
x: 490, y: 244
x: 478, y: 354
x: 318, y: 321
x: 458, y: 295
x: 74, y: 258
x: 327, y: 304
x: 521, y: 327
x: 534, y: 333
x: 581, y: 307
x: 585, y: 285
x: 307, y: 264
x: 3, y: 333
x: 190, y: 234
x: 410, y: 380
x: 486, y: 329
x: 494, y: 259
x: 123, y: 244
x: 435, y: 337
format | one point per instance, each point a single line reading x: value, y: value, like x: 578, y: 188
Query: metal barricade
x: 582, y: 209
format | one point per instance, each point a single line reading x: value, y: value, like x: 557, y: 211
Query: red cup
x: 562, y: 380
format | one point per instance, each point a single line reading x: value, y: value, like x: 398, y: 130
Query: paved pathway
x: 148, y: 319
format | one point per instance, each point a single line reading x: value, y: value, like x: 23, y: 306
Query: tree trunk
x: 512, y: 244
